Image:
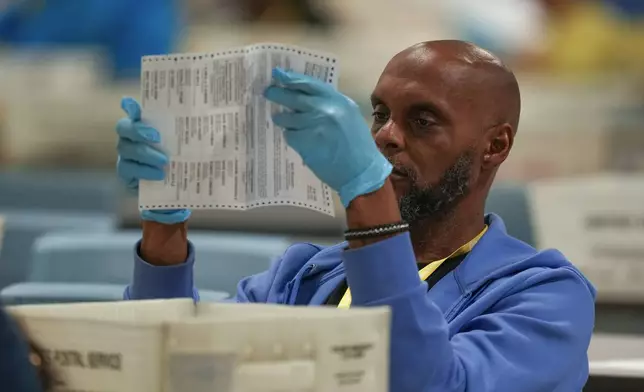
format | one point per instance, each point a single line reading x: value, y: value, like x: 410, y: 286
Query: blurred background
x: 574, y: 178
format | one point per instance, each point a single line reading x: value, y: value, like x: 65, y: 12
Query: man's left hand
x: 328, y: 131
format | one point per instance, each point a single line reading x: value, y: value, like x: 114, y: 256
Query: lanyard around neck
x: 429, y: 269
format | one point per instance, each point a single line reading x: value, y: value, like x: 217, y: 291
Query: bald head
x: 445, y: 114
x: 475, y: 74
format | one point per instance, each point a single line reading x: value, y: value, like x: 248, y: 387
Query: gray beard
x: 436, y: 202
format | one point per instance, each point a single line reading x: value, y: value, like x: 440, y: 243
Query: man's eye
x: 379, y: 116
x: 423, y: 122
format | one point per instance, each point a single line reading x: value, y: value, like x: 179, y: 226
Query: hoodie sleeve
x: 522, y: 342
x: 155, y: 282
x: 177, y: 281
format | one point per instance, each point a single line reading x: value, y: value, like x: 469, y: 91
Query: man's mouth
x: 399, y: 172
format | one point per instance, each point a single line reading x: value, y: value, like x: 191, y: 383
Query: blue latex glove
x: 327, y: 129
x: 139, y: 160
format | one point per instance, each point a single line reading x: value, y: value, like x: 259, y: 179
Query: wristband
x: 376, y: 231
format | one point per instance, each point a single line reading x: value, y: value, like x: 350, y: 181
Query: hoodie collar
x: 497, y: 254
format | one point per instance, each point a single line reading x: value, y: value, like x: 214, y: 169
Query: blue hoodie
x: 508, y: 319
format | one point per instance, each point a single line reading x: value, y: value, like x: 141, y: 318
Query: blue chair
x: 66, y: 191
x: 511, y: 202
x: 23, y: 227
x: 36, y: 292
x: 50, y: 292
x: 107, y: 258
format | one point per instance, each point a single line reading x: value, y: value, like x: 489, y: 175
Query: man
x: 473, y: 308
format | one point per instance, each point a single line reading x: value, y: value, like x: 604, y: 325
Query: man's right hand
x: 165, y: 235
x: 138, y: 159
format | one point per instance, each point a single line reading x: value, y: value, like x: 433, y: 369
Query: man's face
x: 424, y: 123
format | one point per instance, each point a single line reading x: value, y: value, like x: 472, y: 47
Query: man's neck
x: 437, y: 239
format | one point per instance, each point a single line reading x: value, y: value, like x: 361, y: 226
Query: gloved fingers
x: 167, y: 217
x: 142, y: 153
x: 166, y: 212
x: 298, y: 82
x: 131, y: 183
x: 132, y: 186
x: 137, y: 131
x: 134, y: 171
x: 132, y: 108
x: 296, y: 120
x: 290, y: 99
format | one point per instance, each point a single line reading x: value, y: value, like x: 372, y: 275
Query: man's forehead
x: 391, y: 88
x: 418, y: 78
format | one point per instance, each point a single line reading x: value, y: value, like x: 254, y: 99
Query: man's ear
x: 499, y: 140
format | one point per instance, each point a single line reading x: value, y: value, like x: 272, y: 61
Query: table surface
x: 618, y: 368
x: 616, y: 355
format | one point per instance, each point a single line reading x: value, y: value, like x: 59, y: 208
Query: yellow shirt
x: 429, y: 269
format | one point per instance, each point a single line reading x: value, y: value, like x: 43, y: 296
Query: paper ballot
x: 179, y: 346
x: 215, y: 124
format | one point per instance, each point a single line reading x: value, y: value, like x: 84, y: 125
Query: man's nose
x: 390, y: 138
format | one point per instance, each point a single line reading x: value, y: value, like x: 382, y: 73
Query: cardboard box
x: 597, y: 222
x: 178, y: 346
